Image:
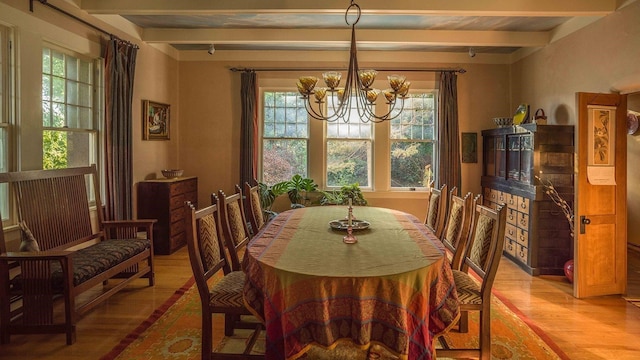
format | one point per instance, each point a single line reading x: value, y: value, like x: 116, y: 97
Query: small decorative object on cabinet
x: 537, y: 235
x: 164, y: 199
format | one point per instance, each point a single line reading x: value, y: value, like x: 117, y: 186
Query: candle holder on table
x: 349, y: 238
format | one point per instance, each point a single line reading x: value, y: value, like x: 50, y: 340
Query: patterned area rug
x: 173, y: 332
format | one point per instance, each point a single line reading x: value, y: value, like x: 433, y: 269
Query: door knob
x: 584, y: 221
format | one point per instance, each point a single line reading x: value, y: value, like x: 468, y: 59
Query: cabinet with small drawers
x: 163, y: 199
x: 537, y: 234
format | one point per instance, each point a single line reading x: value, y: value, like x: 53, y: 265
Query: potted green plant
x: 342, y: 196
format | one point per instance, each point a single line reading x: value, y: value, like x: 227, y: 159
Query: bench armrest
x: 128, y: 229
x: 35, y: 255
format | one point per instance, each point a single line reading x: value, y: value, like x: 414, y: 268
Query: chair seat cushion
x: 468, y: 289
x: 228, y: 291
x: 93, y: 260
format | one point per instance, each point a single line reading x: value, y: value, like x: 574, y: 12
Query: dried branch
x: 551, y: 191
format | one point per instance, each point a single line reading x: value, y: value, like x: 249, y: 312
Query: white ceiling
x: 489, y: 26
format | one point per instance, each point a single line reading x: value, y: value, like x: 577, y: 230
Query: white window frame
x: 7, y: 116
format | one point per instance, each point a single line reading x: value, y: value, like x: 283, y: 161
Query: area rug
x: 173, y: 332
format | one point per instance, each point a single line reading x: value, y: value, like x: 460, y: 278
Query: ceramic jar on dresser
x: 163, y: 199
x: 537, y: 235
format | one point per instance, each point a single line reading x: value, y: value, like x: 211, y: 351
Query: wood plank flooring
x: 605, y: 327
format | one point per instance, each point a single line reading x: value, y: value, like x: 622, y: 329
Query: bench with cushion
x: 68, y: 248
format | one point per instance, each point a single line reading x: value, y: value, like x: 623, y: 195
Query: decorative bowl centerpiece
x: 172, y: 173
x: 503, y: 121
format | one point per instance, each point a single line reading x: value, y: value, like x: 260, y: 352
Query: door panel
x: 600, y: 247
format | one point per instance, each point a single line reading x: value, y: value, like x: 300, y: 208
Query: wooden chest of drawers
x: 164, y: 199
x: 537, y: 235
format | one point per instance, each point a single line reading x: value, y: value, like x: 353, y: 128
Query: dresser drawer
x: 522, y: 237
x: 523, y: 220
x: 487, y: 194
x: 502, y: 197
x: 512, y: 216
x: 177, y: 227
x: 522, y: 254
x: 178, y: 240
x: 182, y: 187
x: 510, y: 231
x: 523, y: 205
x: 512, y: 201
x: 176, y: 201
x: 510, y: 247
x: 494, y: 195
x: 177, y: 215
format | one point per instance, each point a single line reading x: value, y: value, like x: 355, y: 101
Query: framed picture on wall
x: 155, y: 120
x: 469, y: 147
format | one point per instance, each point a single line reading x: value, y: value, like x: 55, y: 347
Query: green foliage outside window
x: 54, y: 150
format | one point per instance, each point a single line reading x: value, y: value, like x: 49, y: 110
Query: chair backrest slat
x: 233, y: 224
x: 436, y: 210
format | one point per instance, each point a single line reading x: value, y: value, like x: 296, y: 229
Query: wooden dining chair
x: 436, y: 210
x: 253, y: 207
x: 482, y: 256
x: 456, y: 230
x: 208, y: 260
x: 233, y: 223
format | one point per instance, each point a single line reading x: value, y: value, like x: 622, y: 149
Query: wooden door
x: 600, y: 251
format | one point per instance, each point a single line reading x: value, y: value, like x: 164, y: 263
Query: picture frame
x: 156, y: 120
x: 601, y: 129
x: 469, y: 147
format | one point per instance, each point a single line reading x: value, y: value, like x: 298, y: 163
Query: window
x: 70, y: 133
x: 413, y: 147
x: 349, y: 156
x: 285, y: 137
x: 6, y: 115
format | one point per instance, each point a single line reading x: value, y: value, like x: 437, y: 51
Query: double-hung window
x: 349, y: 150
x: 6, y: 115
x: 69, y: 116
x: 285, y: 137
x: 413, y: 146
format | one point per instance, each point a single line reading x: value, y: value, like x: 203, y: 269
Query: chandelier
x: 357, y: 88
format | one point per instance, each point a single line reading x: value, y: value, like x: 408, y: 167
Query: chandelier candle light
x: 357, y: 87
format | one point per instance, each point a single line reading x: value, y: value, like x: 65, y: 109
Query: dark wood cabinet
x: 537, y: 235
x: 164, y: 199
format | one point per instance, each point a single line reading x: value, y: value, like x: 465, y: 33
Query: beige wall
x: 602, y: 57
x: 210, y: 120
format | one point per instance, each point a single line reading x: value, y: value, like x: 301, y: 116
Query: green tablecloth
x: 393, y: 287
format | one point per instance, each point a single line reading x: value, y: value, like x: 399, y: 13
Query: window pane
x: 62, y: 149
x: 411, y: 164
x: 57, y: 63
x: 281, y: 159
x: 58, y: 89
x: 46, y: 61
x: 46, y: 87
x: 348, y: 162
x: 4, y: 167
x: 72, y: 68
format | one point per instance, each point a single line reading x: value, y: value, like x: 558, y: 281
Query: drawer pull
x: 522, y: 222
x: 522, y: 238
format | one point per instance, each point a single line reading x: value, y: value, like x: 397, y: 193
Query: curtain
x: 448, y: 131
x: 120, y: 65
x: 249, y: 128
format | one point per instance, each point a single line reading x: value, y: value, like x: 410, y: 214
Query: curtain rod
x: 44, y: 2
x: 459, y: 70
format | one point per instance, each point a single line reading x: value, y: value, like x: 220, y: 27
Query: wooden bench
x: 79, y: 250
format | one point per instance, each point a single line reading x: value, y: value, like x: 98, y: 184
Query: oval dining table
x: 393, y: 287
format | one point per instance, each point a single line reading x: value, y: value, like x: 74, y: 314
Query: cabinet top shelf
x: 515, y: 129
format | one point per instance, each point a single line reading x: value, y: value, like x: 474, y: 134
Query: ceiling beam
x: 431, y: 7
x: 329, y: 36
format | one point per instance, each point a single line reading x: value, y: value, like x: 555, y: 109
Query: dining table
x: 393, y: 287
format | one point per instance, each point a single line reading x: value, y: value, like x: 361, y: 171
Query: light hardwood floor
x: 605, y: 327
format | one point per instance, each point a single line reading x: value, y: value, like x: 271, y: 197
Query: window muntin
x: 285, y: 137
x: 70, y: 133
x: 349, y: 151
x: 412, y: 135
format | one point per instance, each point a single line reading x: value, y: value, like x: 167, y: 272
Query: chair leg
x: 229, y: 324
x: 207, y: 336
x: 485, y: 335
x: 463, y: 323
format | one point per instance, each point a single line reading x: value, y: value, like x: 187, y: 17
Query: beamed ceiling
x: 490, y: 26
